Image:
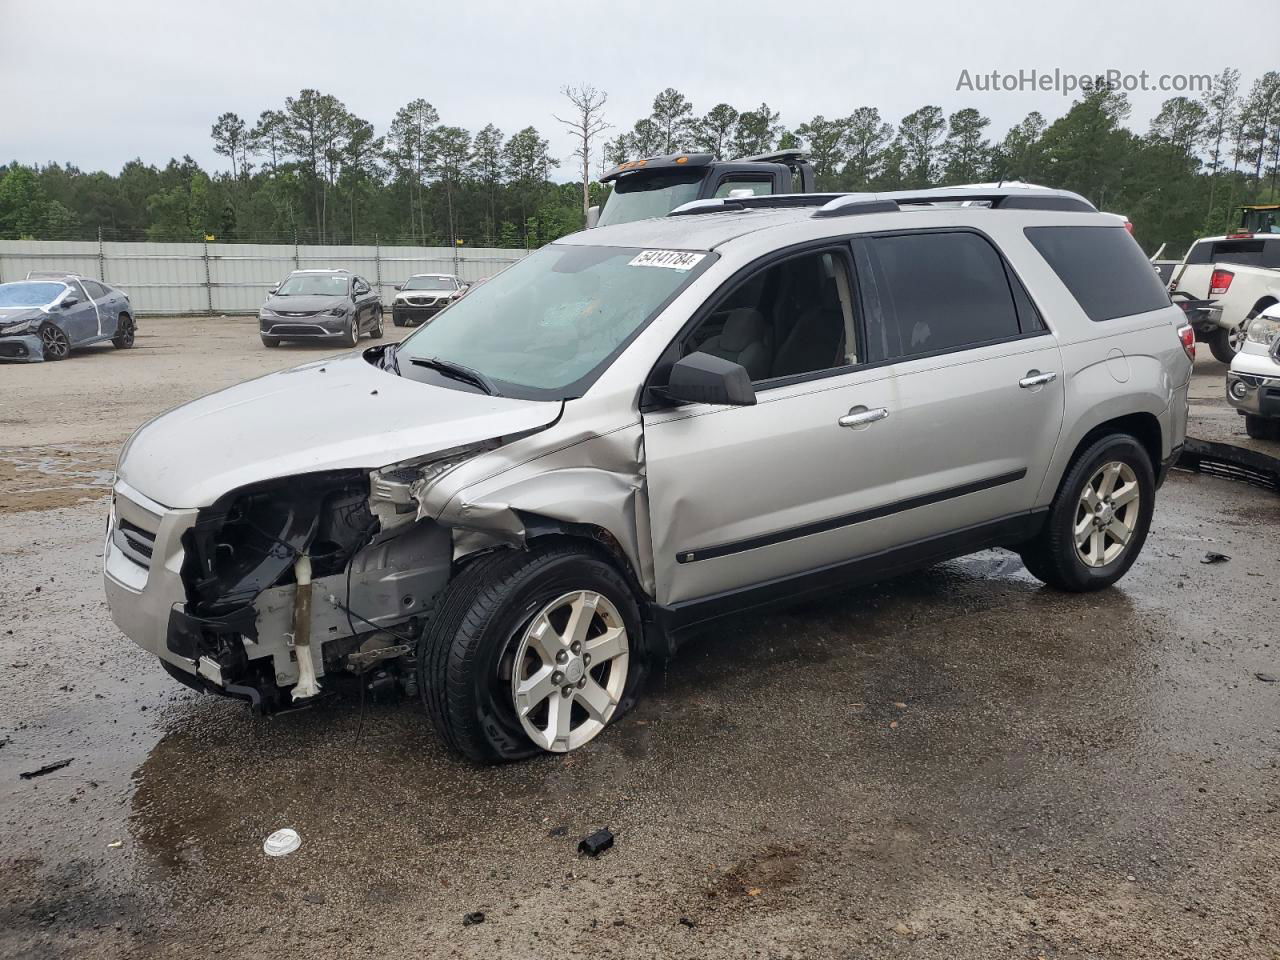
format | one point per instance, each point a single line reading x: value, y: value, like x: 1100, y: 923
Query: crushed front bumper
x: 21, y: 347
x: 249, y: 652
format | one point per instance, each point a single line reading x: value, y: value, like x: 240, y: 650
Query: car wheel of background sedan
x: 55, y: 342
x: 376, y: 332
x: 270, y: 341
x: 353, y: 331
x: 126, y: 331
x: 1099, y: 519
x: 1260, y: 428
x: 530, y: 651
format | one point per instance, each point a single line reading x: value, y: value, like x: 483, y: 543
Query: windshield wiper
x: 457, y: 371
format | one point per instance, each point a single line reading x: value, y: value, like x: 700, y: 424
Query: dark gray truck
x: 656, y: 186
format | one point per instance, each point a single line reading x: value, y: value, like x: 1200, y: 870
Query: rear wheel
x: 1260, y: 428
x: 126, y: 331
x: 1225, y: 343
x: 1099, y: 519
x: 55, y: 342
x: 531, y: 651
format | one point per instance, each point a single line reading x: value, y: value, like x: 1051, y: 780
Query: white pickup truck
x: 1241, y: 274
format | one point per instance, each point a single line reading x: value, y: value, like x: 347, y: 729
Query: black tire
x: 376, y: 332
x: 1220, y: 345
x: 1260, y: 428
x: 1052, y: 557
x: 398, y: 321
x: 126, y: 332
x: 477, y: 621
x: 270, y: 341
x: 56, y: 343
x: 353, y: 331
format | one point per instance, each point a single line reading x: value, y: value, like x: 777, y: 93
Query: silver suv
x: 639, y: 429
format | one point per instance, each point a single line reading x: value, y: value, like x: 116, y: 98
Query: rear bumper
x: 22, y: 348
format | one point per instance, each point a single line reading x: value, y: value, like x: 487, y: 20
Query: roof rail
x: 764, y: 201
x: 1021, y: 197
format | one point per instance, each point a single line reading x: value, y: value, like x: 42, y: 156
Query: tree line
x: 313, y: 170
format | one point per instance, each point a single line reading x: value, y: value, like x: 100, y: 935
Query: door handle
x: 1035, y: 378
x: 862, y: 417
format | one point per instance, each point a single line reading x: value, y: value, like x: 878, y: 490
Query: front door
x: 805, y: 477
x: 80, y: 320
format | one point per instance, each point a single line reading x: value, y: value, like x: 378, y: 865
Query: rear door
x: 979, y: 392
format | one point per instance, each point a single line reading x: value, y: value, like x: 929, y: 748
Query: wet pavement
x: 957, y: 763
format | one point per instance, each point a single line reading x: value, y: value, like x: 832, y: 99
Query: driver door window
x: 788, y: 320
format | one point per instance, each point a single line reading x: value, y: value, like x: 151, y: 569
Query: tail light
x: 1239, y: 236
x: 1128, y: 225
x: 1220, y: 282
x: 1188, y: 338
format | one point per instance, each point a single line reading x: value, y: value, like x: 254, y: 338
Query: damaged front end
x: 290, y: 580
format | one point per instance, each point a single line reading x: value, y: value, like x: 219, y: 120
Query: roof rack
x: 778, y: 156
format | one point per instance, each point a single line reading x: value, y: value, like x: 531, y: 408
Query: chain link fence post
x: 297, y: 264
x: 208, y: 277
x: 377, y: 262
x: 102, y: 260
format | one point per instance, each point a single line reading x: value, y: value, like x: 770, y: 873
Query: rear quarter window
x: 1103, y: 267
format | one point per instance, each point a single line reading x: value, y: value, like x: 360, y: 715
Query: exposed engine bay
x: 291, y: 580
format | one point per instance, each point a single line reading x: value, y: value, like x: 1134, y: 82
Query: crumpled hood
x: 10, y: 315
x: 334, y: 414
x: 304, y: 304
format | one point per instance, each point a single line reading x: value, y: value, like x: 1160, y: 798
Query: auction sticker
x: 671, y: 259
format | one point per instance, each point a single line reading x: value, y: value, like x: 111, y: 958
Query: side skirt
x: 675, y: 622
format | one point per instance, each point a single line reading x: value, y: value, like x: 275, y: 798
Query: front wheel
x: 270, y: 341
x: 1099, y: 519
x: 54, y: 340
x: 530, y: 651
x: 376, y: 332
x: 1260, y: 428
x: 352, y: 336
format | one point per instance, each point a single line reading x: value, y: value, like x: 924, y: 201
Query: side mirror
x: 704, y: 378
x: 593, y: 217
x: 399, y: 286
x: 271, y: 290
x: 69, y: 302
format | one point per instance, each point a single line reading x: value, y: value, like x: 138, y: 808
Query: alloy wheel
x: 570, y: 670
x: 1107, y: 514
x: 1236, y: 335
x: 55, y: 342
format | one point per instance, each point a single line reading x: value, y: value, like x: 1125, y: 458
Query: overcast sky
x: 96, y: 84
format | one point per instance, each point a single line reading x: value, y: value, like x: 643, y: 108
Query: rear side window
x: 938, y: 292
x: 1103, y: 267
x: 1247, y: 253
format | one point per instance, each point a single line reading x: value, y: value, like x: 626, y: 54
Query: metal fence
x: 228, y: 278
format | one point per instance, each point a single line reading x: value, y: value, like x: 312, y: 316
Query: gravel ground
x: 957, y: 763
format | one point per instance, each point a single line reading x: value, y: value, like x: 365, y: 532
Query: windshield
x: 29, y: 294
x: 545, y: 327
x: 638, y: 197
x: 429, y: 283
x: 314, y: 285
